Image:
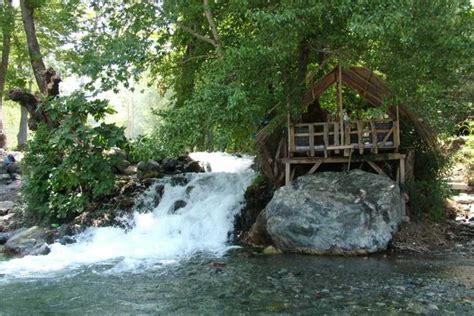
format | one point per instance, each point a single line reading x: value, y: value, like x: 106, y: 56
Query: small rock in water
x: 177, y: 205
x: 66, y: 240
x: 193, y: 166
x: 270, y: 250
x: 160, y: 190
x: 179, y: 180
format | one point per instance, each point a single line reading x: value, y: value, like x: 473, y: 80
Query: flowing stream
x: 182, y: 263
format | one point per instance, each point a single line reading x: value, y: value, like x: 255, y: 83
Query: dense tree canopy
x: 250, y: 58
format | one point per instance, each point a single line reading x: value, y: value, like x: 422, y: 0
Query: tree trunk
x: 6, y: 30
x: 47, y: 79
x: 22, y: 136
x: 39, y: 69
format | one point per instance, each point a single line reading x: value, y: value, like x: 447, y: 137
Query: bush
x: 66, y: 167
x: 429, y: 190
x: 427, y: 198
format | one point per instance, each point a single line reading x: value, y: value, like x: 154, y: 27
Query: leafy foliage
x: 67, y: 167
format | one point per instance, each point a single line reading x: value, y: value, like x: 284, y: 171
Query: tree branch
x: 196, y: 34
x: 212, y: 23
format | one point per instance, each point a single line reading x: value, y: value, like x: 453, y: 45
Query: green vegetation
x: 67, y: 167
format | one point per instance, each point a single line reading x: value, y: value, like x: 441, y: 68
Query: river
x: 181, y: 263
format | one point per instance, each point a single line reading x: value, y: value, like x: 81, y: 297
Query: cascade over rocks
x: 333, y: 213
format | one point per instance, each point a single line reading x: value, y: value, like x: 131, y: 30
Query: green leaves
x: 67, y: 167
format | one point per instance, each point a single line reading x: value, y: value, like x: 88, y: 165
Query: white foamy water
x: 157, y: 237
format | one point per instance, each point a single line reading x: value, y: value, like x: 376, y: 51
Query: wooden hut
x: 342, y: 140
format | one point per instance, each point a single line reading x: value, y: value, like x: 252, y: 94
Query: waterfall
x: 162, y: 236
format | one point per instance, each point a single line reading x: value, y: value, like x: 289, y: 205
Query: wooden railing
x: 327, y: 138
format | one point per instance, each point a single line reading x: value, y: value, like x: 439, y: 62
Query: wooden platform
x: 369, y: 159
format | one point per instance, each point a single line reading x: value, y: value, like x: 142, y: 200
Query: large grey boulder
x: 335, y: 213
x: 32, y: 241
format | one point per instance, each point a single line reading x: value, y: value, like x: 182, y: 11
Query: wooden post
x: 336, y: 136
x: 339, y: 101
x: 290, y: 145
x: 287, y: 173
x: 396, y: 131
x: 326, y: 138
x: 402, y: 170
x: 359, y: 137
x: 374, y: 138
x: 311, y: 139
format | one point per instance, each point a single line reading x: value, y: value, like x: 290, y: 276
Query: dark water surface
x: 242, y: 283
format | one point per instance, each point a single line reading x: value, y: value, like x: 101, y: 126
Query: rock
x: 160, y: 190
x: 116, y: 154
x: 177, y: 205
x: 6, y: 206
x: 64, y: 230
x: 130, y: 187
x: 189, y: 189
x: 66, y: 240
x: 169, y: 165
x: 32, y: 241
x: 125, y: 203
x: 270, y: 250
x: 179, y: 180
x: 258, y: 234
x: 13, y: 168
x: 5, y: 178
x: 193, y: 166
x: 148, y: 169
x: 7, y: 235
x: 122, y: 166
x: 130, y: 170
x: 335, y: 213
x: 148, y: 182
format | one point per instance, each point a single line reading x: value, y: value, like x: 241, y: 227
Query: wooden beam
x: 376, y: 168
x: 315, y: 167
x: 287, y: 173
x: 313, y: 160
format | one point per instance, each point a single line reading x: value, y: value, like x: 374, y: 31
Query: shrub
x: 66, y: 167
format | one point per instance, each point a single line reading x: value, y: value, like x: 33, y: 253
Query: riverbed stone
x: 193, y: 166
x: 169, y: 164
x: 32, y: 241
x: 177, y: 205
x: 148, y: 169
x: 352, y: 212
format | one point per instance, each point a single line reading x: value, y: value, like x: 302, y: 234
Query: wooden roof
x: 369, y: 85
x: 374, y: 90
